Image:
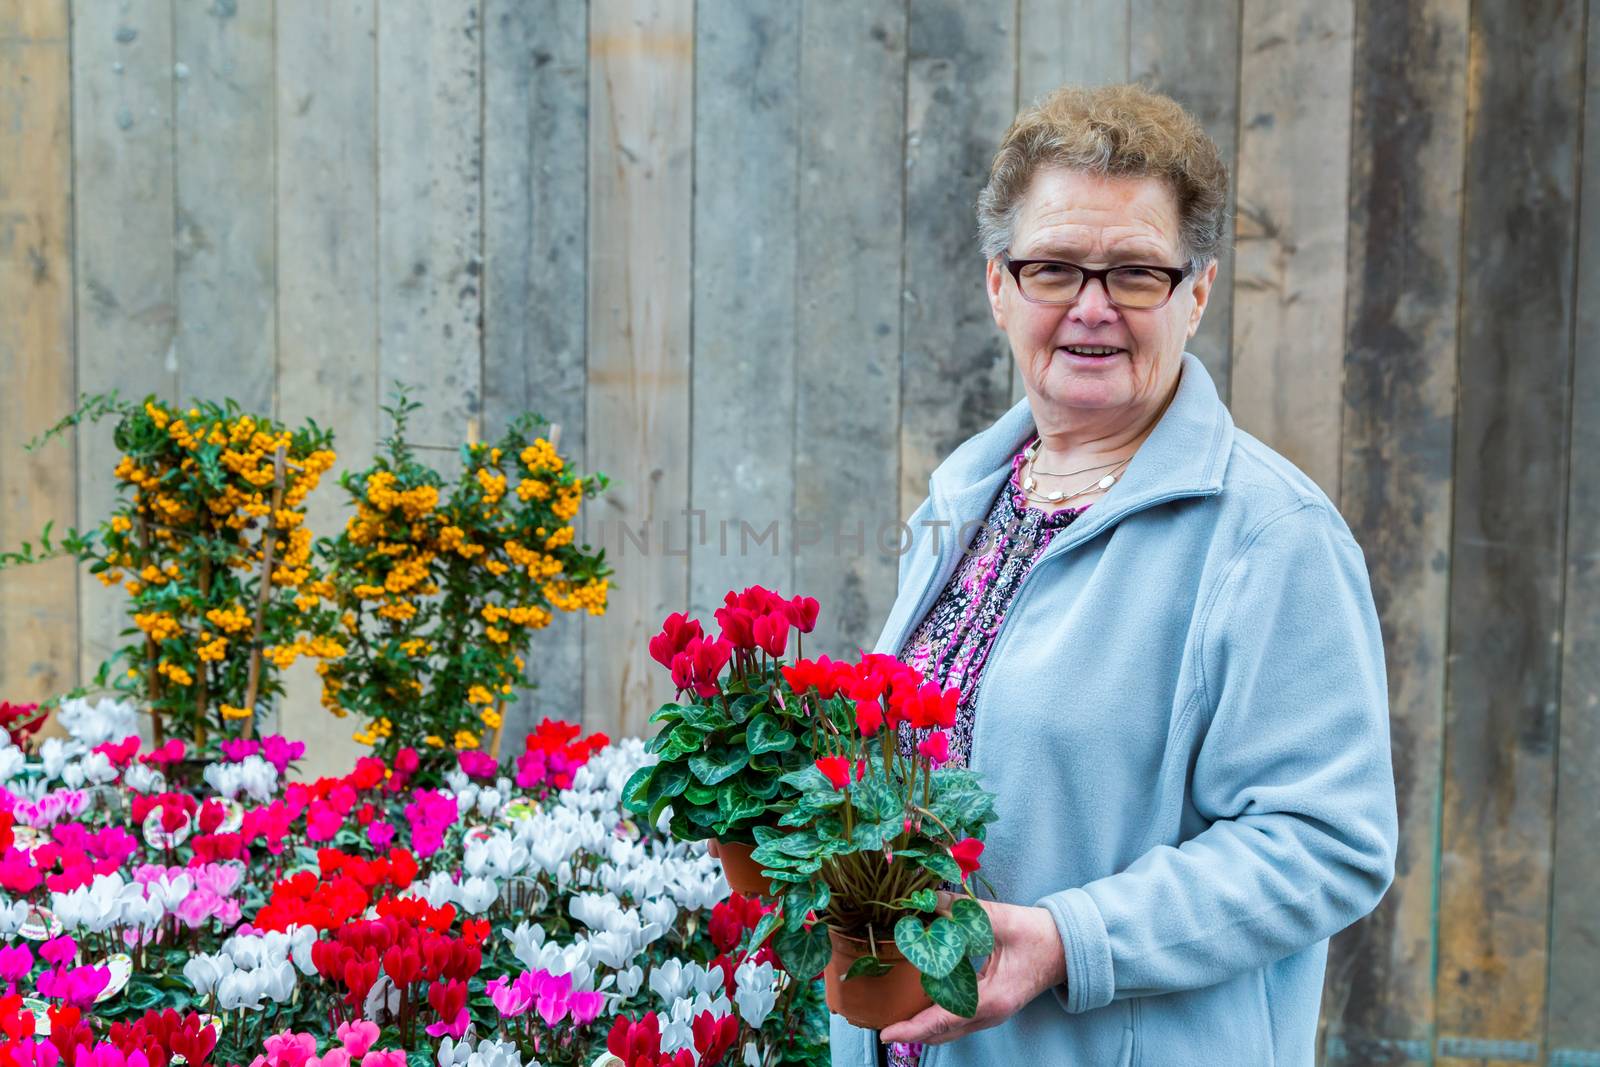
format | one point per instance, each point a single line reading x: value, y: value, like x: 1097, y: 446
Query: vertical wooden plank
x: 1190, y: 51
x: 430, y: 142
x: 327, y: 307
x: 847, y: 317
x: 1072, y: 42
x: 536, y: 115
x: 1294, y: 143
x: 1407, y: 146
x: 223, y: 107
x: 746, y: 127
x: 641, y: 84
x: 1574, y: 1003
x: 956, y: 367
x: 125, y: 289
x: 38, y: 605
x: 1524, y: 87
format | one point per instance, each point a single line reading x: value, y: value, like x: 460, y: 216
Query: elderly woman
x: 1170, y: 667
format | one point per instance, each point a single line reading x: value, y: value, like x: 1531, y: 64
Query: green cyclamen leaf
x: 712, y: 768
x: 765, y: 735
x: 765, y: 928
x: 803, y: 952
x: 810, y: 897
x: 973, y: 920
x: 924, y: 900
x: 943, y: 864
x: 934, y: 948
x: 633, y: 793
x: 667, y: 782
x: 867, y: 967
x: 956, y: 992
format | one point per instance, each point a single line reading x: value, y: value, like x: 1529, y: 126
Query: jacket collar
x: 1185, y: 455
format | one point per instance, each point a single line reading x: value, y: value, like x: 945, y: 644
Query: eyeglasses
x: 1134, y: 286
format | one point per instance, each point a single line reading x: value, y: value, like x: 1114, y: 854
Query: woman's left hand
x: 1027, y: 960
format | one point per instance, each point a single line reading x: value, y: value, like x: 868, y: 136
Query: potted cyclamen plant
x: 880, y: 846
x: 732, y: 735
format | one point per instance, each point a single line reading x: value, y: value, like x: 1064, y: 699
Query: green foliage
x: 739, y: 756
x: 208, y: 538
x: 439, y: 585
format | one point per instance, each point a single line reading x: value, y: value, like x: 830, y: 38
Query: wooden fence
x: 728, y: 245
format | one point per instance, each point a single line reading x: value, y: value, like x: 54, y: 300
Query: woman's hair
x: 1116, y: 130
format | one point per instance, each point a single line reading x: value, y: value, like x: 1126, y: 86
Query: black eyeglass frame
x: 1175, y: 276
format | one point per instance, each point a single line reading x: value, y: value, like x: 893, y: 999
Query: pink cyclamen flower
x: 358, y: 1037
x: 510, y: 1000
x: 287, y: 1049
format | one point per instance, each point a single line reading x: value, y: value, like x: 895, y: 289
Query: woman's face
x: 1097, y: 221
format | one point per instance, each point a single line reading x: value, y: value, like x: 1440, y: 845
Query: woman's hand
x: 1027, y: 960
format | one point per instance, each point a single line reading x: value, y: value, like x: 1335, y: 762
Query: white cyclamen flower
x: 756, y: 992
x: 143, y: 778
x: 96, y: 724
x: 204, y: 972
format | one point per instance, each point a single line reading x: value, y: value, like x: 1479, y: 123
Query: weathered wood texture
x: 1292, y: 178
x: 535, y: 187
x: 641, y: 82
x: 223, y: 119
x: 1407, y: 144
x: 38, y: 606
x: 124, y: 234
x: 1574, y: 999
x: 729, y: 248
x: 327, y: 313
x: 956, y: 369
x: 1525, y: 81
x: 847, y: 313
x: 746, y: 133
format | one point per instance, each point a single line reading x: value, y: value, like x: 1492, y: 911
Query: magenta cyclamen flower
x: 381, y: 834
x: 236, y: 749
x: 16, y: 963
x: 586, y: 1007
x: 58, y: 950
x: 102, y: 1054
x: 552, y: 995
x: 280, y: 752
x: 75, y: 985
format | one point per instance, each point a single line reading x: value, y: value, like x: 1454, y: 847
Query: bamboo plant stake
x: 269, y: 543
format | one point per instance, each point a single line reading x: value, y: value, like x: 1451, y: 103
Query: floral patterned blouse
x: 951, y: 644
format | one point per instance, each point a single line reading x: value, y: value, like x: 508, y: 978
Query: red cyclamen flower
x: 836, y: 769
x: 966, y: 853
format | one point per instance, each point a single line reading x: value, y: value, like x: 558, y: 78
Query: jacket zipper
x: 1016, y: 599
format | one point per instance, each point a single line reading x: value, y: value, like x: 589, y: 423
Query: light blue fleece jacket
x: 1185, y: 721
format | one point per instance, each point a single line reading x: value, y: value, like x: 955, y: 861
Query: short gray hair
x: 1115, y: 130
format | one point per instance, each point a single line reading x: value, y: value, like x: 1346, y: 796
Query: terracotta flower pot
x: 742, y: 872
x: 872, y: 1002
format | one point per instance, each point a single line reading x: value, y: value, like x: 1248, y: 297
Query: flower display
x: 438, y: 587
x: 508, y: 915
x: 209, y: 541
